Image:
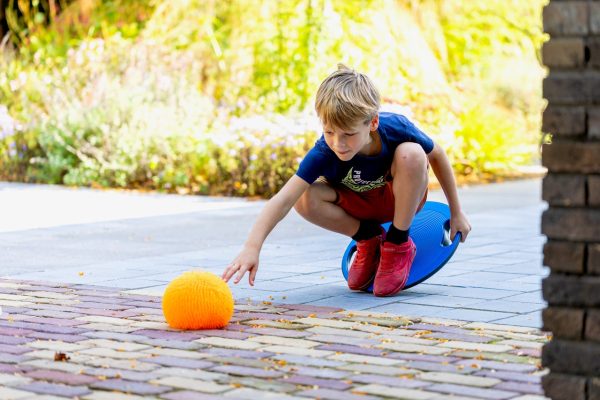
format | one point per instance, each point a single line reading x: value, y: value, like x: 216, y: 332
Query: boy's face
x: 346, y: 143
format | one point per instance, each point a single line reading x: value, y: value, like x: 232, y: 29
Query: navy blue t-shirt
x: 363, y: 173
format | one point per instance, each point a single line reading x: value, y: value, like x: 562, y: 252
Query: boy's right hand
x: 246, y: 261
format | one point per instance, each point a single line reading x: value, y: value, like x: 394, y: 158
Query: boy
x: 366, y: 169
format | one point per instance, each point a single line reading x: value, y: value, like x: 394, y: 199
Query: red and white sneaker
x: 363, y: 268
x: 394, y: 267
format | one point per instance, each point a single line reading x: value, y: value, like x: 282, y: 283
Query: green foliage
x: 215, y: 96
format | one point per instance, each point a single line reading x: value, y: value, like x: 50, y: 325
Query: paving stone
x: 229, y: 343
x: 12, y: 340
x: 158, y: 351
x: 12, y: 380
x: 128, y: 375
x: 54, y: 389
x: 493, y: 348
x: 343, y: 348
x: 527, y: 352
x: 324, y: 373
x: 357, y: 358
x: 235, y: 353
x: 226, y: 333
x: 414, y: 348
x: 61, y: 377
x: 191, y: 384
x: 13, y: 394
x: 253, y: 394
x: 168, y: 335
x: 468, y: 380
x: 388, y: 381
x: 56, y: 337
x: 498, y: 327
x: 317, y: 382
x: 130, y: 387
x: 458, y: 337
x: 344, y: 340
x: 521, y: 387
x: 189, y: 395
x: 248, y: 371
x: 181, y: 362
x: 6, y: 349
x: 261, y: 323
x: 328, y: 394
x: 96, y: 326
x: 242, y: 362
x: 522, y: 344
x: 379, y: 369
x: 484, y: 393
x: 283, y: 341
x: 439, y: 367
x: 394, y: 392
x: 326, y: 322
x: 298, y: 352
x: 503, y: 366
x: 57, y: 346
x: 335, y: 332
x: 308, y: 361
x: 58, y: 366
x: 277, y: 332
x: 113, y: 344
x: 101, y: 395
x: 100, y: 362
x: 423, y: 357
x: 111, y: 353
x: 502, y: 357
x: 54, y: 321
x: 15, y: 358
x: 510, y: 376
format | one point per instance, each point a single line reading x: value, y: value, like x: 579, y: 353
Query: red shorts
x: 376, y: 204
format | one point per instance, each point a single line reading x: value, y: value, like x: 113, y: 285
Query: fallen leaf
x: 59, y: 356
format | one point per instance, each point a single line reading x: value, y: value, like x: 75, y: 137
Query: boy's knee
x: 311, y: 199
x: 410, y: 157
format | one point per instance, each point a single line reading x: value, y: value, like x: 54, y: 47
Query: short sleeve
x: 313, y: 165
x: 418, y: 136
x: 400, y: 129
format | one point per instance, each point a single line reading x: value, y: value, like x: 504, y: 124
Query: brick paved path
x: 116, y: 343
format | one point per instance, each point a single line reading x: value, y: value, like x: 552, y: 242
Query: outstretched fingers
x: 229, y: 271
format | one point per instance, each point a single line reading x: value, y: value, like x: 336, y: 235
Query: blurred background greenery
x: 216, y: 96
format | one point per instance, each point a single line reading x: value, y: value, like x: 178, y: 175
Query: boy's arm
x: 443, y: 171
x: 273, y: 212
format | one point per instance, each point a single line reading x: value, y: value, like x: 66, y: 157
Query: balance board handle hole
x: 446, y: 241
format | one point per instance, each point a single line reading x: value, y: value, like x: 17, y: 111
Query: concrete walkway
x: 139, y: 242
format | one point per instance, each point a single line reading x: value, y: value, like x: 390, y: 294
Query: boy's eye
x: 350, y: 134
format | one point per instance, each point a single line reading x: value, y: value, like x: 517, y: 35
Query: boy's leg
x: 318, y: 205
x: 409, y: 172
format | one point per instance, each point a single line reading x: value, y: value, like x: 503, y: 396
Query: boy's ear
x: 374, y: 124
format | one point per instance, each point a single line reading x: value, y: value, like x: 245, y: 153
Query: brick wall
x: 572, y: 190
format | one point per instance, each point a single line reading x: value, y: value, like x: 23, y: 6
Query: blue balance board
x: 430, y: 231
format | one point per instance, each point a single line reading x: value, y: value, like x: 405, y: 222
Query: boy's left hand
x: 459, y: 223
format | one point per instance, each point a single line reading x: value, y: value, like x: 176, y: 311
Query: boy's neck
x: 374, y: 146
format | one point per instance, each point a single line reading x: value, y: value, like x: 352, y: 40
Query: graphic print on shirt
x: 354, y: 182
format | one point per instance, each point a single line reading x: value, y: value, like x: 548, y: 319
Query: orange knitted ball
x: 197, y: 300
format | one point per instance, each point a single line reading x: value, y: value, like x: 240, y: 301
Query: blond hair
x: 346, y: 97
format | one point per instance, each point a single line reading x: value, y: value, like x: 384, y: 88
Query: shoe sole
x: 366, y: 285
